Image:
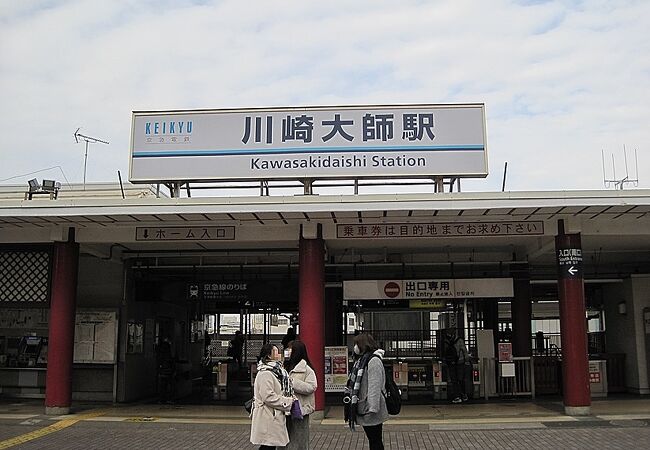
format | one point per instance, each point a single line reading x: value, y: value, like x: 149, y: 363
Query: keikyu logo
x: 168, y: 128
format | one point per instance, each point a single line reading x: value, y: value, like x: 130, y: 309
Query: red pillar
x: 573, y: 328
x: 311, y: 306
x: 58, y: 387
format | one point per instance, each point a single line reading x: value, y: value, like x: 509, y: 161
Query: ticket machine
x: 29, y: 351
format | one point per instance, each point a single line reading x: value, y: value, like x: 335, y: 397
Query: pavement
x: 621, y: 422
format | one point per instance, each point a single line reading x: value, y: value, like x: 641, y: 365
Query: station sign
x: 153, y: 234
x: 433, y: 304
x: 569, y: 262
x: 309, y: 142
x: 428, y: 293
x: 217, y: 295
x: 438, y: 230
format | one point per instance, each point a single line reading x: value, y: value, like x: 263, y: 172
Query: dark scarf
x: 280, y: 373
x: 353, y: 386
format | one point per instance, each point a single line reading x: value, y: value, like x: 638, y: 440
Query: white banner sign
x: 312, y: 142
x: 440, y: 229
x: 428, y: 289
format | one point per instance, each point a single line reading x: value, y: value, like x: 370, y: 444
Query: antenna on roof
x: 619, y: 183
x: 78, y: 136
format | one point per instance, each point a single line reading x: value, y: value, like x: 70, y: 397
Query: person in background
x: 303, y: 379
x: 272, y: 400
x: 290, y: 336
x: 237, y: 345
x: 166, y: 371
x: 365, y: 390
x: 456, y: 358
x: 506, y: 335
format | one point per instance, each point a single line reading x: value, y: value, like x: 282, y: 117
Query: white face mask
x: 287, y: 354
x: 356, y: 350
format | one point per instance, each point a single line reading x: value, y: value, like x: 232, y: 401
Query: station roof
x: 614, y: 224
x: 102, y: 205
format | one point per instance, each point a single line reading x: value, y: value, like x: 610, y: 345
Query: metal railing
x: 252, y: 345
x: 550, y: 344
x: 494, y: 384
x: 415, y: 344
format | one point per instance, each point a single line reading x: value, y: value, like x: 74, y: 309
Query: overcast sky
x: 561, y: 80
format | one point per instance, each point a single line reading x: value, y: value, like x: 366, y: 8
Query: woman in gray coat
x: 365, y: 390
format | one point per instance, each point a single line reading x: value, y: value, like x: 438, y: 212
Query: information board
x: 336, y: 368
x: 95, y: 337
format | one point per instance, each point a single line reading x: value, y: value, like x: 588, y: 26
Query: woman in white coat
x: 273, y: 396
x: 303, y: 379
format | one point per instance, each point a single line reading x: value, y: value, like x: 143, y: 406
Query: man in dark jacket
x: 166, y: 371
x: 457, y: 358
x: 237, y: 348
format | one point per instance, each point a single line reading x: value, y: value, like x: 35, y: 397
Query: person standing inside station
x: 272, y: 400
x: 456, y: 358
x: 290, y: 336
x: 303, y: 379
x: 236, y: 348
x: 365, y: 390
x: 166, y: 365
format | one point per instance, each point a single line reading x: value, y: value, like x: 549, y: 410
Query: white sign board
x: 428, y: 289
x: 438, y: 230
x: 309, y: 142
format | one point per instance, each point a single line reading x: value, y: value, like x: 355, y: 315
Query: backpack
x: 392, y: 395
x: 451, y: 353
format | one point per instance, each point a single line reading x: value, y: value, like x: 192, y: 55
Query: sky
x: 562, y: 81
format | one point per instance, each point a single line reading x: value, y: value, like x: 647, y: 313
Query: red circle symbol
x: 391, y: 290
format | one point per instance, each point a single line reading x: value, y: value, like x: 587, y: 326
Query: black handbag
x: 248, y: 405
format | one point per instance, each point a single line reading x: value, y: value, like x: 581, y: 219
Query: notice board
x: 95, y: 337
x: 336, y: 368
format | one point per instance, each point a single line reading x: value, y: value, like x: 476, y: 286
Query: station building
x: 549, y: 289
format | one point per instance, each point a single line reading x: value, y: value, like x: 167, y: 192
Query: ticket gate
x: 441, y: 377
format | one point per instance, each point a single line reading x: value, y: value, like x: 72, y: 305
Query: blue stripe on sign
x: 289, y: 150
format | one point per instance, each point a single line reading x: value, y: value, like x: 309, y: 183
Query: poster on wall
x: 95, y: 337
x: 135, y: 337
x: 336, y: 368
x: 505, y: 352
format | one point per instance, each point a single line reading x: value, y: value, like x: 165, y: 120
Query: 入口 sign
x: 569, y: 261
x: 309, y: 142
x: 226, y: 233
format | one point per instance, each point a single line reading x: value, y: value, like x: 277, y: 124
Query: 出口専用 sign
x: 309, y: 142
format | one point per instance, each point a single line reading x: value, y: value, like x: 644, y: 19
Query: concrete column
x: 573, y: 327
x: 58, y: 388
x: 491, y: 318
x: 311, y: 307
x: 522, y: 311
x: 333, y: 322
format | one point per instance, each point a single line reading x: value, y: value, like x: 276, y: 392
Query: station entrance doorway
x: 203, y: 313
x: 415, y: 341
